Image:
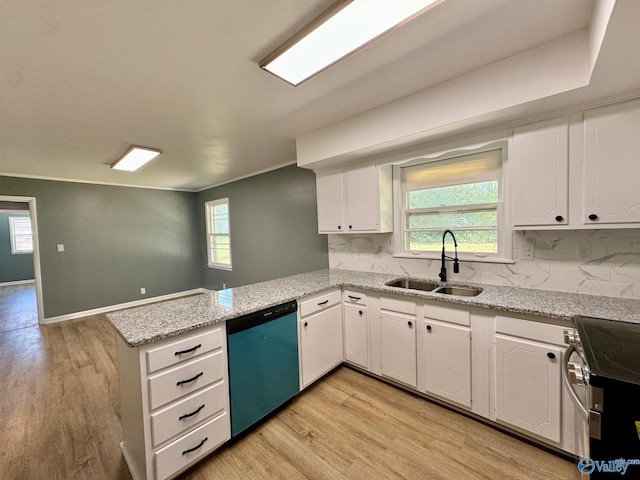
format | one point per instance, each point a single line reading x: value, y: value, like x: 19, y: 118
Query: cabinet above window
x: 355, y: 200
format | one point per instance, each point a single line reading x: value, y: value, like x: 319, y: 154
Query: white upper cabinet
x: 355, y: 200
x: 329, y: 189
x: 576, y: 172
x: 539, y: 162
x: 612, y: 164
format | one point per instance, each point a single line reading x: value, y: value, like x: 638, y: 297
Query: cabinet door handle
x: 189, y: 450
x: 323, y: 303
x: 354, y: 298
x: 187, y: 415
x: 429, y: 327
x: 410, y: 324
x: 306, y: 324
x: 339, y: 227
x: 559, y: 218
x: 551, y: 355
x: 189, y: 380
x: 593, y: 216
x: 360, y: 312
x: 350, y: 227
x: 189, y: 350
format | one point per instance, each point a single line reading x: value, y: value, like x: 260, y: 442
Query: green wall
x: 119, y: 239
x: 13, y: 267
x: 274, y: 228
x: 116, y: 240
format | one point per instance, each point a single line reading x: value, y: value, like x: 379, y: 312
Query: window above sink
x: 461, y: 190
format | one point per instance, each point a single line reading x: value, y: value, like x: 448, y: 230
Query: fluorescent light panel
x: 135, y: 157
x: 339, y: 31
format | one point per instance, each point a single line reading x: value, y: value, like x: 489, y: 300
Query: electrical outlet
x: 527, y: 251
x: 60, y: 247
x: 143, y: 291
x: 583, y: 253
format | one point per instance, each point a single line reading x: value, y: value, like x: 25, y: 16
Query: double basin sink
x: 427, y: 286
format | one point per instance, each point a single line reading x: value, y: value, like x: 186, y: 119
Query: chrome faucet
x: 456, y: 266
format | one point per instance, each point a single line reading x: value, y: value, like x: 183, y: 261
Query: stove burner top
x: 612, y: 348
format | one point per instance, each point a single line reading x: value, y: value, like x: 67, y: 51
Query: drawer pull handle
x: 189, y: 450
x: 189, y: 350
x: 187, y: 415
x: 192, y: 379
x: 323, y: 303
x: 354, y: 298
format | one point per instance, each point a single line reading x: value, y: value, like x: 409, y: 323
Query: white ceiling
x: 81, y: 81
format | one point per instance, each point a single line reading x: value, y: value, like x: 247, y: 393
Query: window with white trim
x: 218, y: 234
x: 21, y: 235
x: 462, y: 193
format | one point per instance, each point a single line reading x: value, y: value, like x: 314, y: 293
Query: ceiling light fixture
x: 339, y: 31
x: 135, y: 157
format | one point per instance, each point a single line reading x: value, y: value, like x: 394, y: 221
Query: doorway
x: 21, y: 302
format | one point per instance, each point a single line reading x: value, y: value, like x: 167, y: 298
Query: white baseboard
x: 122, y: 306
x: 17, y: 282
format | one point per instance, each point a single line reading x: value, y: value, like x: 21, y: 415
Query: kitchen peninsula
x: 388, y: 325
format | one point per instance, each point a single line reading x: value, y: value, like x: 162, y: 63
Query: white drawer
x: 351, y: 296
x: 396, y: 304
x: 183, y: 349
x: 319, y: 302
x: 542, y: 332
x: 187, y: 449
x: 184, y: 379
x: 188, y: 412
x: 447, y: 314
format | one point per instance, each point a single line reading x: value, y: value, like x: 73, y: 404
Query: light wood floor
x: 59, y: 407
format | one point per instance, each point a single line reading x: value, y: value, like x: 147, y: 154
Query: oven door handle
x: 572, y: 393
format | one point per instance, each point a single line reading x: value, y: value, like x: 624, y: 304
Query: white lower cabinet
x: 191, y: 447
x: 174, y: 402
x: 447, y: 361
x: 356, y: 330
x: 506, y: 369
x: 444, y: 354
x: 398, y: 340
x: 321, y: 338
x: 528, y: 376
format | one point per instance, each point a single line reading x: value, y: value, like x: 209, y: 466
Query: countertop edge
x: 136, y: 326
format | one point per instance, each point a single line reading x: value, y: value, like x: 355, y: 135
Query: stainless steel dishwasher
x: 263, y: 363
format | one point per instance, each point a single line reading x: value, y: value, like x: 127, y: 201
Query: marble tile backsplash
x: 613, y: 270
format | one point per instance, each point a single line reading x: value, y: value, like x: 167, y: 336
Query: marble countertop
x: 150, y: 323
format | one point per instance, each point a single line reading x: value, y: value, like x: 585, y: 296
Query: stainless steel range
x: 603, y: 367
